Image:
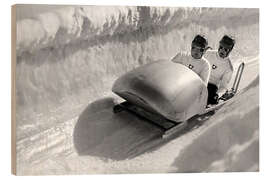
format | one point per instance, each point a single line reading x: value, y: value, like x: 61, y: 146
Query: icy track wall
x: 73, y: 54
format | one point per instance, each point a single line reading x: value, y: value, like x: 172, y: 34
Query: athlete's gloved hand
x: 227, y: 95
x: 215, y: 99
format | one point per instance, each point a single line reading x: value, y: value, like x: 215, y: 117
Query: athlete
x: 195, y: 60
x: 221, y: 69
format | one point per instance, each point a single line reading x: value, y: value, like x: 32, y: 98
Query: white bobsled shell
x: 164, y: 87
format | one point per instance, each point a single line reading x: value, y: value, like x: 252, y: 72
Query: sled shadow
x: 99, y: 132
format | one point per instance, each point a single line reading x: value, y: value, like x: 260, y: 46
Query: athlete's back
x: 199, y: 66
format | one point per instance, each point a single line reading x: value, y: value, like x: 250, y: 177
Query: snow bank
x: 68, y: 23
x: 41, y: 30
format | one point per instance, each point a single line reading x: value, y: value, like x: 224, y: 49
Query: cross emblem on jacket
x: 190, y: 66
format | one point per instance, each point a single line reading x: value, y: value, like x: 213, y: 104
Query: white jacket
x: 221, y: 70
x: 199, y: 66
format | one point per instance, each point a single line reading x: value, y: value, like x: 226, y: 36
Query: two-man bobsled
x: 164, y: 92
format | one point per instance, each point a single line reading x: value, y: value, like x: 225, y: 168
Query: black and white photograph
x: 134, y: 89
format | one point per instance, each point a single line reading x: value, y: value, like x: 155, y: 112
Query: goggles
x: 226, y: 49
x: 198, y: 48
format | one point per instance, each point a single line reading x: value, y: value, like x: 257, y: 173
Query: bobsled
x: 162, y: 89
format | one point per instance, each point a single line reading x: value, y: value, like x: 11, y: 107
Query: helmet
x: 227, y: 41
x: 200, y: 41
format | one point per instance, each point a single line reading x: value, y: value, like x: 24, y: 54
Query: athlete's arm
x: 225, y: 80
x: 205, y: 73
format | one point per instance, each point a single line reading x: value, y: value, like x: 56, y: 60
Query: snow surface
x: 69, y: 56
x: 106, y: 143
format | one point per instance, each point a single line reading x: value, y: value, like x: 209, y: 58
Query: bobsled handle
x: 238, y: 77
